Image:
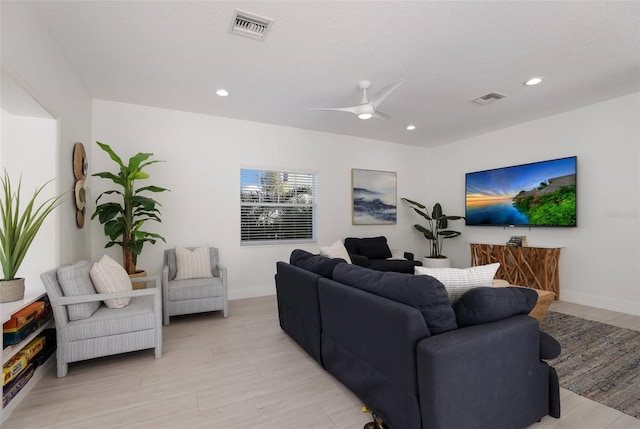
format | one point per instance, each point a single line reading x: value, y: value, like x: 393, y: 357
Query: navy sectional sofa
x: 393, y: 339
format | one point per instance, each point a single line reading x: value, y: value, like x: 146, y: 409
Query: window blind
x: 277, y: 206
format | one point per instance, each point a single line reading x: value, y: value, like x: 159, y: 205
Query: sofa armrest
x: 79, y: 299
x: 488, y: 373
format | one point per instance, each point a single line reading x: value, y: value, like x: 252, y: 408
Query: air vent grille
x: 489, y: 98
x: 250, y: 25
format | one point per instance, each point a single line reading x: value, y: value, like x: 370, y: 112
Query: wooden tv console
x: 534, y: 267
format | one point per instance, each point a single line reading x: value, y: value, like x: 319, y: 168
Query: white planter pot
x: 436, y: 262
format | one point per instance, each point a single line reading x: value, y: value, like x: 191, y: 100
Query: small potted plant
x: 124, y: 218
x: 19, y: 228
x: 436, y: 232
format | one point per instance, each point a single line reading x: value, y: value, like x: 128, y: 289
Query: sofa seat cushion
x: 489, y: 304
x: 75, y: 281
x: 180, y: 290
x: 137, y: 316
x: 317, y: 264
x: 424, y: 293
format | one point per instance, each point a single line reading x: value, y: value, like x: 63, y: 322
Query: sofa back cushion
x: 424, y: 293
x: 372, y: 248
x: 318, y: 264
x: 489, y: 304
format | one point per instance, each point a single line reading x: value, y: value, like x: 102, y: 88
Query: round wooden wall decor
x: 80, y: 166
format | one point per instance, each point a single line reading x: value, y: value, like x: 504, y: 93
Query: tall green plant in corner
x: 124, y: 218
x: 19, y: 229
x: 437, y: 222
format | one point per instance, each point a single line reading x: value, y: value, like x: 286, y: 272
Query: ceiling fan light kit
x: 367, y: 109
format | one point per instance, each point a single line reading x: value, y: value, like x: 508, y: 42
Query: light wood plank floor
x: 236, y: 373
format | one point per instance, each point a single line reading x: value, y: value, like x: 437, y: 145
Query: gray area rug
x: 598, y: 361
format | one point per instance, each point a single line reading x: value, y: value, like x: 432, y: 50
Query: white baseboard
x: 251, y: 292
x: 628, y: 307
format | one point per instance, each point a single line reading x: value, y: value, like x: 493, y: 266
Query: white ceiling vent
x: 250, y: 25
x: 489, y: 98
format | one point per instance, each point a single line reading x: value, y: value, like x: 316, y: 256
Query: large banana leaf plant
x: 20, y: 226
x: 437, y: 231
x: 123, y: 219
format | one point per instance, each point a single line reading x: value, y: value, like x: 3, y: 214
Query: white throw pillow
x: 109, y: 277
x: 193, y: 264
x: 336, y: 250
x: 459, y: 280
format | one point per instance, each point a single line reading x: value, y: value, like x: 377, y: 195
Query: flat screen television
x: 536, y: 194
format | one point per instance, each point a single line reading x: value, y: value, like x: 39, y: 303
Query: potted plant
x: 19, y: 228
x: 436, y: 231
x: 123, y: 219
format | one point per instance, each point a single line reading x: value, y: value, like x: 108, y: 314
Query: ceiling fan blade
x: 384, y: 92
x: 382, y: 115
x: 339, y: 109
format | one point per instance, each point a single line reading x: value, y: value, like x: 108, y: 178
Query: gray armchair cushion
x: 137, y: 316
x: 195, y: 288
x: 75, y: 281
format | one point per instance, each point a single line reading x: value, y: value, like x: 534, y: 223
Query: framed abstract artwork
x: 374, y: 197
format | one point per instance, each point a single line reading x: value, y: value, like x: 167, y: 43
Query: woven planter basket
x: 11, y: 290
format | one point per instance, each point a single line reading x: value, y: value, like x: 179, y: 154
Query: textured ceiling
x: 175, y: 55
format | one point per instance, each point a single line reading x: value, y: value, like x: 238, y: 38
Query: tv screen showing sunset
x: 541, y: 194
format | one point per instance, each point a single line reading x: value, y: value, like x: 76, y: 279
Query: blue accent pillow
x: 489, y: 304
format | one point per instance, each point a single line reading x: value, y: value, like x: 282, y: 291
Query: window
x: 277, y: 206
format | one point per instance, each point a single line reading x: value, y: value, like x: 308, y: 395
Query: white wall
x: 30, y: 150
x: 599, y: 265
x: 34, y: 60
x: 204, y: 155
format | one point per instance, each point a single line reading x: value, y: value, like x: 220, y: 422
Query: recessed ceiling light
x: 411, y: 127
x: 533, y: 81
x: 222, y: 92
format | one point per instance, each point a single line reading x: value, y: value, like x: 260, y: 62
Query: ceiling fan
x: 367, y: 108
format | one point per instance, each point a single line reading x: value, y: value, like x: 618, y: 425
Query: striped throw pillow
x: 109, y: 277
x: 459, y: 280
x: 193, y: 264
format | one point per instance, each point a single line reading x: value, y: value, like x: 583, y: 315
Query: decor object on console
x: 99, y: 330
x: 437, y: 231
x: 374, y: 253
x: 374, y: 197
x: 20, y: 224
x: 124, y: 219
x: 393, y: 340
x: 193, y: 281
